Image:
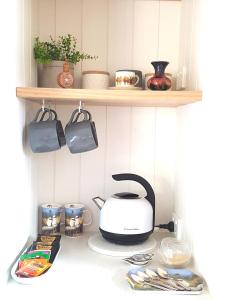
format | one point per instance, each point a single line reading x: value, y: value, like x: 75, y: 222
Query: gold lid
x: 149, y: 74
x: 95, y: 72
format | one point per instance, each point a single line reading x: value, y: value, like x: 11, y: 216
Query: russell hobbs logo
x: 125, y: 228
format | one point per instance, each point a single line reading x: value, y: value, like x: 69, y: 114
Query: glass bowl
x: 174, y: 253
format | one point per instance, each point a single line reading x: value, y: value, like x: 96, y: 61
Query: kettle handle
x: 149, y: 190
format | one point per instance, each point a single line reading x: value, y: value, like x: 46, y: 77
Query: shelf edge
x: 110, y: 97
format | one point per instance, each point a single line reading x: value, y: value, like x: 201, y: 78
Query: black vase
x: 159, y: 82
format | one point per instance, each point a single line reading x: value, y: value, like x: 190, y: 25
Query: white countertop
x: 78, y: 270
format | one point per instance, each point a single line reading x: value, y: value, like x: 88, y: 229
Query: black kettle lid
x: 126, y: 195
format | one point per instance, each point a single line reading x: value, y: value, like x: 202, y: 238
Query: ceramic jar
x: 95, y: 80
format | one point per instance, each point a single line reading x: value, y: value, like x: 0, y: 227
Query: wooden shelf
x: 110, y: 97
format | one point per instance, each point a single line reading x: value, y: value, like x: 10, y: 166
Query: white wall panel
x: 33, y: 33
x: 17, y: 202
x: 33, y: 172
x: 67, y: 166
x: 118, y: 146
x: 146, y: 34
x: 142, y: 153
x: 169, y: 30
x: 120, y: 35
x: 165, y: 154
x: 94, y: 33
x: 92, y: 171
x: 46, y: 19
x: 46, y: 173
x: 68, y: 18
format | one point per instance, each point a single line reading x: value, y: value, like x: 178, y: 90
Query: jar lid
x: 149, y: 74
x: 95, y: 72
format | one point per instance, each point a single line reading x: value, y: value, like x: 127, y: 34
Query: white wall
x: 16, y: 203
x: 124, y: 34
x: 199, y: 184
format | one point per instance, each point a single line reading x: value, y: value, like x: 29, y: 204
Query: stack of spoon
x: 158, y: 279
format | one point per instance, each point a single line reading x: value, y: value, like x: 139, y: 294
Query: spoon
x: 139, y: 259
x: 179, y: 281
x: 151, y: 275
x: 141, y: 281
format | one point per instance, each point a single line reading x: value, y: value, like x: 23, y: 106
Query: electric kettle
x: 126, y: 218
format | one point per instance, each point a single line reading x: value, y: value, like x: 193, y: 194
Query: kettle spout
x: 99, y: 202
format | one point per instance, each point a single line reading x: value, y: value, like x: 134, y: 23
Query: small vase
x: 65, y: 79
x: 159, y: 82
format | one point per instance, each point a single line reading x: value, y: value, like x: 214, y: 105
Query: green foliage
x: 63, y: 48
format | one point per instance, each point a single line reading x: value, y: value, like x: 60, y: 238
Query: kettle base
x: 125, y: 239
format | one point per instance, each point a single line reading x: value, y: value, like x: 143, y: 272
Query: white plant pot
x: 47, y: 74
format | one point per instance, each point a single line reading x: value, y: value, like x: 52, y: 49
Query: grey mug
x: 81, y: 136
x: 43, y: 135
x: 59, y: 128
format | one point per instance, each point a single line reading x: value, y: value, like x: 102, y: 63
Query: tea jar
x: 95, y: 79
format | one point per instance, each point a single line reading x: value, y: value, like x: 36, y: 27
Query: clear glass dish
x: 174, y: 253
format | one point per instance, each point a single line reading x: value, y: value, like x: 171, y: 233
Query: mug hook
x: 80, y: 106
x: 43, y: 105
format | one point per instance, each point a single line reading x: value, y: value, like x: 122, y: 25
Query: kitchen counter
x: 79, y: 271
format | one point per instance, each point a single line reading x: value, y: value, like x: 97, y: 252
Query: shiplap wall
x: 16, y: 163
x: 124, y: 34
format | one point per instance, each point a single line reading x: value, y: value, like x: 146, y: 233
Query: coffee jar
x: 95, y: 80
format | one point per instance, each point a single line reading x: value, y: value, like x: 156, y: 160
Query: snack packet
x: 48, y: 239
x: 51, y: 240
x: 41, y: 246
x: 33, y: 268
x: 36, y: 254
x: 22, y: 263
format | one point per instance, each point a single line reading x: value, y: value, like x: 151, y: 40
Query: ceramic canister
x: 50, y: 218
x: 95, y: 80
x: 149, y: 75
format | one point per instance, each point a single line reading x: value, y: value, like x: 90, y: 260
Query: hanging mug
x: 81, y: 136
x: 59, y: 128
x: 43, y: 135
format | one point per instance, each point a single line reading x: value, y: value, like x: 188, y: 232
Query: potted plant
x: 51, y: 56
